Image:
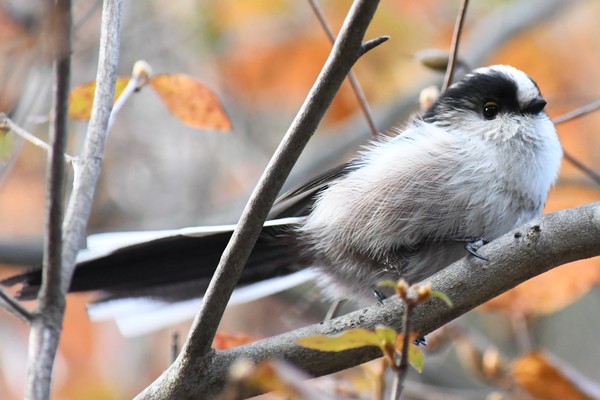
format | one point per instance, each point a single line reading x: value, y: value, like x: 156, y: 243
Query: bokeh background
x: 261, y: 57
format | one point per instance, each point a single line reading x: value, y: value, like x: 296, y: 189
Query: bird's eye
x: 491, y: 110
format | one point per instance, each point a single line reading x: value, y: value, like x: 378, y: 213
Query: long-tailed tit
x: 477, y: 164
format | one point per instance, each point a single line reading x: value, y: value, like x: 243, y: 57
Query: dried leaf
x: 350, y: 339
x: 544, y: 380
x: 191, y: 101
x: 82, y: 98
x: 225, y: 341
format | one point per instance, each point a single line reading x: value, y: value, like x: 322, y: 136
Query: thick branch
x: 530, y: 250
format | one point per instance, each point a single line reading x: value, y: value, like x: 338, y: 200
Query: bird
x: 475, y: 165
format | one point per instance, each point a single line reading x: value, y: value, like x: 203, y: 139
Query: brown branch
x: 593, y: 175
x: 358, y: 92
x: 578, y: 112
x: 13, y: 306
x: 47, y: 321
x: 455, y: 44
x: 569, y: 116
x: 402, y: 369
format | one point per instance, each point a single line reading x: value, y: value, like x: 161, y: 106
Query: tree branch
x: 593, y: 175
x: 358, y: 92
x: 60, y: 263
x: 13, y: 306
x: 87, y: 170
x: 460, y: 19
x: 517, y: 256
x: 47, y: 321
x: 578, y: 112
x: 181, y: 379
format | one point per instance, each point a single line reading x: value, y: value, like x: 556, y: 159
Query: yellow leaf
x: 388, y: 283
x: 416, y: 357
x: 7, y: 146
x: 385, y: 334
x: 350, y: 339
x: 191, y: 101
x: 82, y: 98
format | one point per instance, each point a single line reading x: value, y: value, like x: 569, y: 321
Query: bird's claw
x: 379, y: 296
x: 473, y: 243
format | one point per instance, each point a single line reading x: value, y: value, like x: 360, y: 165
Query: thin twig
x: 47, y: 322
x: 455, y: 44
x: 593, y: 175
x: 578, y: 112
x: 571, y: 115
x: 140, y: 77
x: 402, y: 368
x: 358, y: 92
x: 174, y: 347
x: 7, y: 123
x: 12, y: 305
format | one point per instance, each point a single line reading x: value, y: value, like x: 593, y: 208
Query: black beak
x: 535, y: 106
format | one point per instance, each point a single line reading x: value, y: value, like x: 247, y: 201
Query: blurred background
x: 261, y: 58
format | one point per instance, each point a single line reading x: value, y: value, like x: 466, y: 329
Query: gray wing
x: 298, y: 201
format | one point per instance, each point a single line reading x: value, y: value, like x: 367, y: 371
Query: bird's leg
x: 379, y: 295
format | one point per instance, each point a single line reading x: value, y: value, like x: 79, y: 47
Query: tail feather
x: 175, y: 266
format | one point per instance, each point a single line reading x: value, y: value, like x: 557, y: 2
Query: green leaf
x: 7, y: 146
x: 416, y: 357
x: 388, y: 283
x: 386, y: 334
x: 350, y: 339
x: 443, y: 297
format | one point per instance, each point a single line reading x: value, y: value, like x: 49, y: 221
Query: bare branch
x: 47, y: 322
x: 571, y: 115
x: 360, y: 95
x: 578, y: 112
x: 8, y: 124
x: 89, y: 165
x: 593, y: 175
x: 402, y: 369
x: 60, y: 263
x: 371, y: 44
x: 455, y: 44
x: 12, y: 305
